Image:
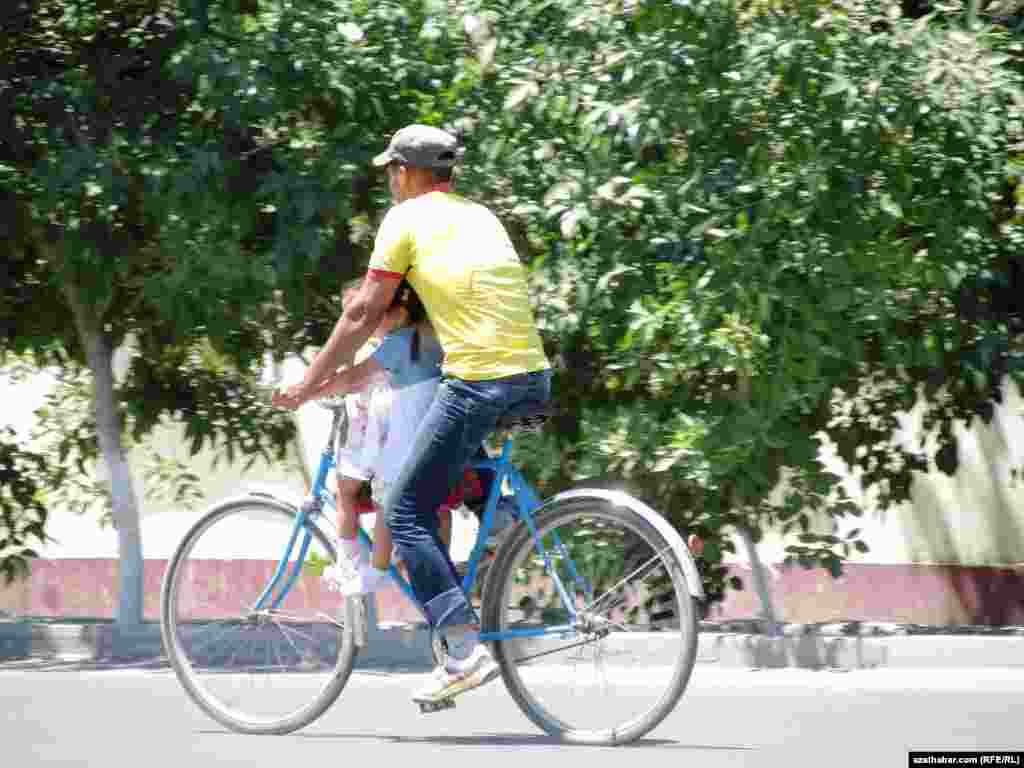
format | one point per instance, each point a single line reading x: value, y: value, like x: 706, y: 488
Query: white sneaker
x: 342, y: 572
x: 455, y: 677
x: 365, y: 581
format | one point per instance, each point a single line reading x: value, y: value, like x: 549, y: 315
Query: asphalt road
x: 62, y: 715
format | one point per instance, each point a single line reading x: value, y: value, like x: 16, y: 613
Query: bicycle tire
x: 509, y: 653
x: 189, y: 674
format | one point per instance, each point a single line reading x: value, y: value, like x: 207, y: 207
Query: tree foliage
x: 754, y: 229
x: 22, y: 515
x: 749, y: 226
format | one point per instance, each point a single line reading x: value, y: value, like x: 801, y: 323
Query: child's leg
x: 371, y: 577
x: 348, y: 516
x: 383, y: 549
x: 354, y: 459
x: 382, y: 546
x: 444, y: 526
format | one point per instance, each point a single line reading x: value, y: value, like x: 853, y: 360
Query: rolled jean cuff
x: 449, y: 609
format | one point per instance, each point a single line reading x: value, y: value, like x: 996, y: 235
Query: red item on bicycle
x: 470, y: 486
x: 365, y: 506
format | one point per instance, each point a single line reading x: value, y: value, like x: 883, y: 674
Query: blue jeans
x: 462, y: 415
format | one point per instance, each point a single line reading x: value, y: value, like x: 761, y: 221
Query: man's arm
x: 353, y: 328
x: 348, y: 380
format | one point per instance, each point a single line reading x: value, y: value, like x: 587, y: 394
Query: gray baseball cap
x: 421, y: 146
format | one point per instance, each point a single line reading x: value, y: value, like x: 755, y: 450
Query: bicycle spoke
x: 622, y: 572
x: 286, y: 627
x: 278, y: 658
x: 600, y: 671
x: 227, y: 628
x: 330, y: 619
x: 266, y: 672
x: 276, y: 613
x: 655, y: 558
x: 234, y: 655
x: 550, y: 651
x: 284, y: 634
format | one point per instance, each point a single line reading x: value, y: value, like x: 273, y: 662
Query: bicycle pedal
x: 427, y: 707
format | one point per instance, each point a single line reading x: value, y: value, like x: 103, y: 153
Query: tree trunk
x: 756, y: 566
x: 125, y: 507
x: 760, y: 582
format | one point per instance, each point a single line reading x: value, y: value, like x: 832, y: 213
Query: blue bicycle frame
x: 505, y: 473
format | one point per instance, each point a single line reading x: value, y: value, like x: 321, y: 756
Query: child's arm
x: 347, y: 380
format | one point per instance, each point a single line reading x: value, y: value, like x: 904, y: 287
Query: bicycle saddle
x: 528, y: 415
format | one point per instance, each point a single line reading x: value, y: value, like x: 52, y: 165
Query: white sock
x: 366, y: 581
x: 350, y: 548
x: 371, y: 578
x: 462, y: 641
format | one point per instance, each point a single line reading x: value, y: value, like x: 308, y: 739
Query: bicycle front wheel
x: 630, y: 641
x: 266, y: 668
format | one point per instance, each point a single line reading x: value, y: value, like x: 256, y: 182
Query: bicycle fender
x: 661, y: 525
x: 278, y: 493
x: 288, y: 498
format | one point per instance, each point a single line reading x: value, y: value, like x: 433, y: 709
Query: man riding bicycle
x: 459, y: 259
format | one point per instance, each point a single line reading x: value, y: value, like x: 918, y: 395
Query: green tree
x: 752, y: 229
x: 22, y: 514
x: 162, y: 190
x: 747, y: 227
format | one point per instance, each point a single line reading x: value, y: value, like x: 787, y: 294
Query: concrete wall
x: 77, y: 572
x: 954, y: 554
x: 974, y: 518
x: 903, y: 593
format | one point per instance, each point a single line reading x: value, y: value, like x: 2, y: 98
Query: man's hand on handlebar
x: 298, y: 394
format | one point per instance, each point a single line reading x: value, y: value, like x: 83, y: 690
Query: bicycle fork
x: 310, y: 510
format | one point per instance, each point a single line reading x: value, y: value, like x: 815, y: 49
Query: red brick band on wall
x: 909, y: 593
x: 87, y: 588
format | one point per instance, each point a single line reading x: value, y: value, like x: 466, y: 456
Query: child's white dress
x: 367, y: 412
x: 413, y: 388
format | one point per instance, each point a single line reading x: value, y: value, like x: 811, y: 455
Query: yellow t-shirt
x: 459, y: 259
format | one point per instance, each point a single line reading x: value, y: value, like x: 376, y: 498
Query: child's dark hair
x: 406, y: 297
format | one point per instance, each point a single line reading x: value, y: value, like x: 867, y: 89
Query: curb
x: 393, y: 648
x: 806, y: 652
x: 404, y: 647
x: 15, y: 640
x: 844, y: 646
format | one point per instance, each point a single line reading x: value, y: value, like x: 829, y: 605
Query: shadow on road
x: 498, y: 739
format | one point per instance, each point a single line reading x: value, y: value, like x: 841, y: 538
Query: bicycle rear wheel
x: 625, y: 662
x: 271, y: 670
